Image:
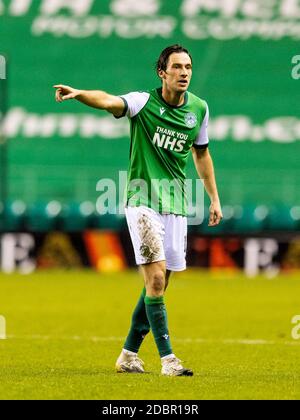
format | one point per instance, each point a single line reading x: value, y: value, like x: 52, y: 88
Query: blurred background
x: 246, y: 66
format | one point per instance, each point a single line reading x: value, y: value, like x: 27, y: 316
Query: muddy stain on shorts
x: 150, y: 248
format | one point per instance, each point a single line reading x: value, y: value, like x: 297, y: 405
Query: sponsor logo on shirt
x: 169, y: 139
x: 162, y: 110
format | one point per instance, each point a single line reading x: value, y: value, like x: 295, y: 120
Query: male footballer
x: 166, y: 123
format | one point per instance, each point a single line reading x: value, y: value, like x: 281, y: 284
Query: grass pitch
x: 66, y: 329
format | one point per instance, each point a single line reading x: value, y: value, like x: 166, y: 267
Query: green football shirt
x: 161, y: 138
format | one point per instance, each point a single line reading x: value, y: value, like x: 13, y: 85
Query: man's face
x: 178, y: 74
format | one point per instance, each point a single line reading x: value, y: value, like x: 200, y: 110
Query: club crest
x: 190, y: 119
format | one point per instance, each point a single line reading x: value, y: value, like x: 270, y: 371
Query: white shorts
x: 157, y: 237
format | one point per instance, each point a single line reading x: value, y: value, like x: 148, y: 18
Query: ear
x: 161, y: 74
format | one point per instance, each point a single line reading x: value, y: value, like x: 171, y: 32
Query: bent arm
x: 205, y: 169
x: 93, y: 98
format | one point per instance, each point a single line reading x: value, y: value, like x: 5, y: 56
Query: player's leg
x: 139, y: 328
x: 147, y: 239
x: 175, y: 252
x: 155, y: 281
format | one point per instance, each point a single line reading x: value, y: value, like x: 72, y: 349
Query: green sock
x: 139, y: 326
x: 157, y: 316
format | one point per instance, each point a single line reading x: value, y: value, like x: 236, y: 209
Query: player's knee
x: 158, y: 283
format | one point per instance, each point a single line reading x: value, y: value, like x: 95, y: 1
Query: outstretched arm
x: 93, y: 98
x: 204, y: 166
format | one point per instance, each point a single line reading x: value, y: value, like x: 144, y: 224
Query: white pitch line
x: 95, y: 339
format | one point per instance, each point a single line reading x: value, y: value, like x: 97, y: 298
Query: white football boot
x: 129, y: 363
x: 173, y: 367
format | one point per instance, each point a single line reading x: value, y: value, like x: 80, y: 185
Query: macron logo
x: 162, y: 110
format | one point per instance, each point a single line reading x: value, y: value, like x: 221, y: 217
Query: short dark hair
x: 162, y: 61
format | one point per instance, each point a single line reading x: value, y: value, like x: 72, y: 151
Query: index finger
x: 60, y: 86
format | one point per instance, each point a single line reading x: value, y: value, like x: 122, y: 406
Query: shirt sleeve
x: 202, y: 139
x: 134, y: 103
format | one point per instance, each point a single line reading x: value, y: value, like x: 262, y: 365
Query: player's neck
x: 173, y: 98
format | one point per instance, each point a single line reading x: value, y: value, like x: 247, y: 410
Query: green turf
x: 65, y: 331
